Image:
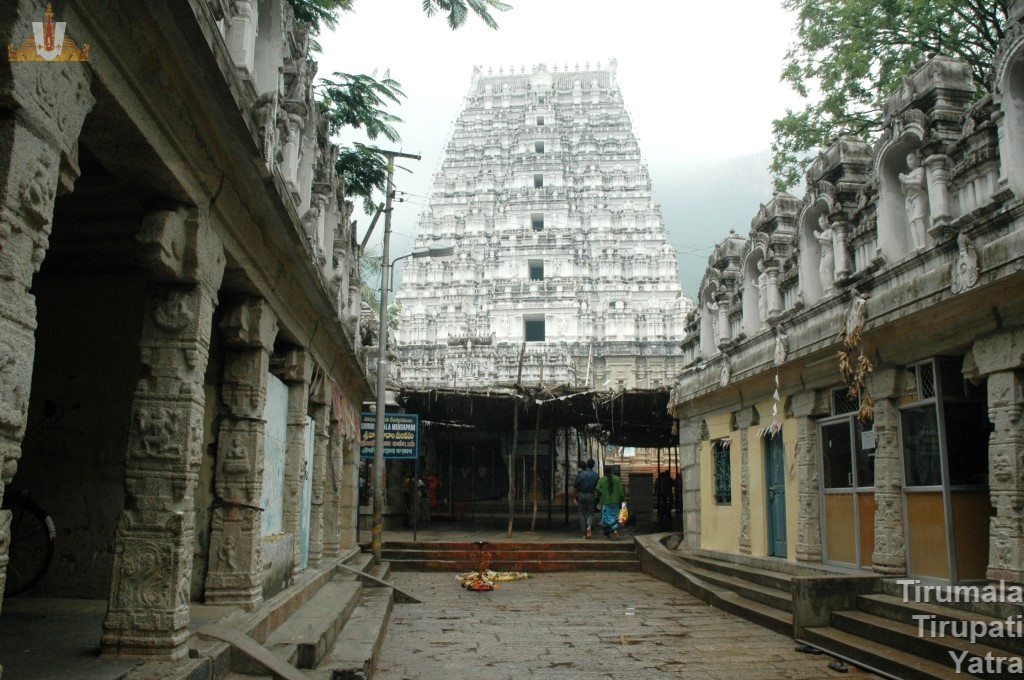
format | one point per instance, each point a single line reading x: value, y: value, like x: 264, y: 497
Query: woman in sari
x: 610, y: 495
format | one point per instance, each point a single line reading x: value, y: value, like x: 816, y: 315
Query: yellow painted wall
x: 719, y: 524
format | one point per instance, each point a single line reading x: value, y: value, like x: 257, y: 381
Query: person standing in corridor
x: 585, y: 485
x: 610, y: 494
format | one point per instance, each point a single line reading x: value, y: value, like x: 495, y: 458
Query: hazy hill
x: 702, y: 201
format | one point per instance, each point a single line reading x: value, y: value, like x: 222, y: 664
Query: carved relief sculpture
x: 965, y: 268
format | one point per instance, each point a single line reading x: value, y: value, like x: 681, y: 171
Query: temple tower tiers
x: 558, y: 243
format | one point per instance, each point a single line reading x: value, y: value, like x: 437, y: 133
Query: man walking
x: 586, y: 482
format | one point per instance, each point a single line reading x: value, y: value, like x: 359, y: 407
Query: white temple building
x: 559, y: 244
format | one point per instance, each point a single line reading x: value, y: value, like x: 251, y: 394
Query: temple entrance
x: 847, y: 447
x: 944, y: 445
x: 775, y: 481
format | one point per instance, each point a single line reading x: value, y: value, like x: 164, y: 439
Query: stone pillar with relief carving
x: 148, y: 609
x: 806, y: 407
x: 319, y: 400
x: 235, y: 573
x: 333, y: 485
x: 841, y: 253
x: 349, y: 502
x: 745, y: 419
x: 998, y: 358
x: 46, y: 105
x: 296, y: 372
x: 890, y: 555
x: 691, y: 436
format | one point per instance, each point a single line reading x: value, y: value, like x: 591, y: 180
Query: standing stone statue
x: 915, y: 188
x: 827, y: 264
x: 762, y: 291
x: 713, y: 308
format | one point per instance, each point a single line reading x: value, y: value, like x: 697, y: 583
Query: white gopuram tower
x: 558, y: 244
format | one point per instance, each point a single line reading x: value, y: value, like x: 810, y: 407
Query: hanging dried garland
x: 854, y: 365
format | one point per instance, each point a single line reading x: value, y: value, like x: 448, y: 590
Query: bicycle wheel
x: 32, y: 540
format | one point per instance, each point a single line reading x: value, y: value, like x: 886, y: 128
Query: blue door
x: 775, y: 479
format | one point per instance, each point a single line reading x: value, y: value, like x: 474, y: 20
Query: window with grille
x: 723, y: 473
x: 536, y: 270
x: 844, y: 402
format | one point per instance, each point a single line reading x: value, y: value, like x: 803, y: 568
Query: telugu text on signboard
x: 401, y: 435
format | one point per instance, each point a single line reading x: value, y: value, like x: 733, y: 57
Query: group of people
x: 606, y: 493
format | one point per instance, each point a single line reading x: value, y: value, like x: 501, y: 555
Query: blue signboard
x: 401, y: 435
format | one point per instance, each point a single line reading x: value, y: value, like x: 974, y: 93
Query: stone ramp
x: 329, y: 625
x: 598, y: 554
x: 844, y: 613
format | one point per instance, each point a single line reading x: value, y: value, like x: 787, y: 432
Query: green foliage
x: 370, y: 268
x: 394, y: 309
x: 358, y: 101
x: 851, y: 54
x: 458, y: 10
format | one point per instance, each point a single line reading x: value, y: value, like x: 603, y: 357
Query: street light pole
x: 377, y: 529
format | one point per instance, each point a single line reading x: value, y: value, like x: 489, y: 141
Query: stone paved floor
x: 570, y: 626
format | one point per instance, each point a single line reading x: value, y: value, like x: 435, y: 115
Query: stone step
x: 896, y: 609
x: 514, y: 556
x: 598, y: 543
x: 773, y: 597
x: 907, y: 638
x: 771, y: 579
x: 354, y: 654
x: 875, y: 655
x: 305, y: 637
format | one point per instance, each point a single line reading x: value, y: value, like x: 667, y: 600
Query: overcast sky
x: 699, y: 79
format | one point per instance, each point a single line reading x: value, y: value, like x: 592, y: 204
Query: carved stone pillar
x: 841, y: 251
x: 349, y: 490
x: 297, y: 373
x: 1006, y: 465
x: 44, y: 108
x: 724, y: 326
x: 890, y: 555
x: 691, y: 435
x: 808, y: 533
x: 148, y: 610
x: 745, y: 419
x: 235, y: 573
x: 774, y: 296
x: 999, y: 359
x: 320, y: 399
x: 938, y: 192
x: 333, y: 494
